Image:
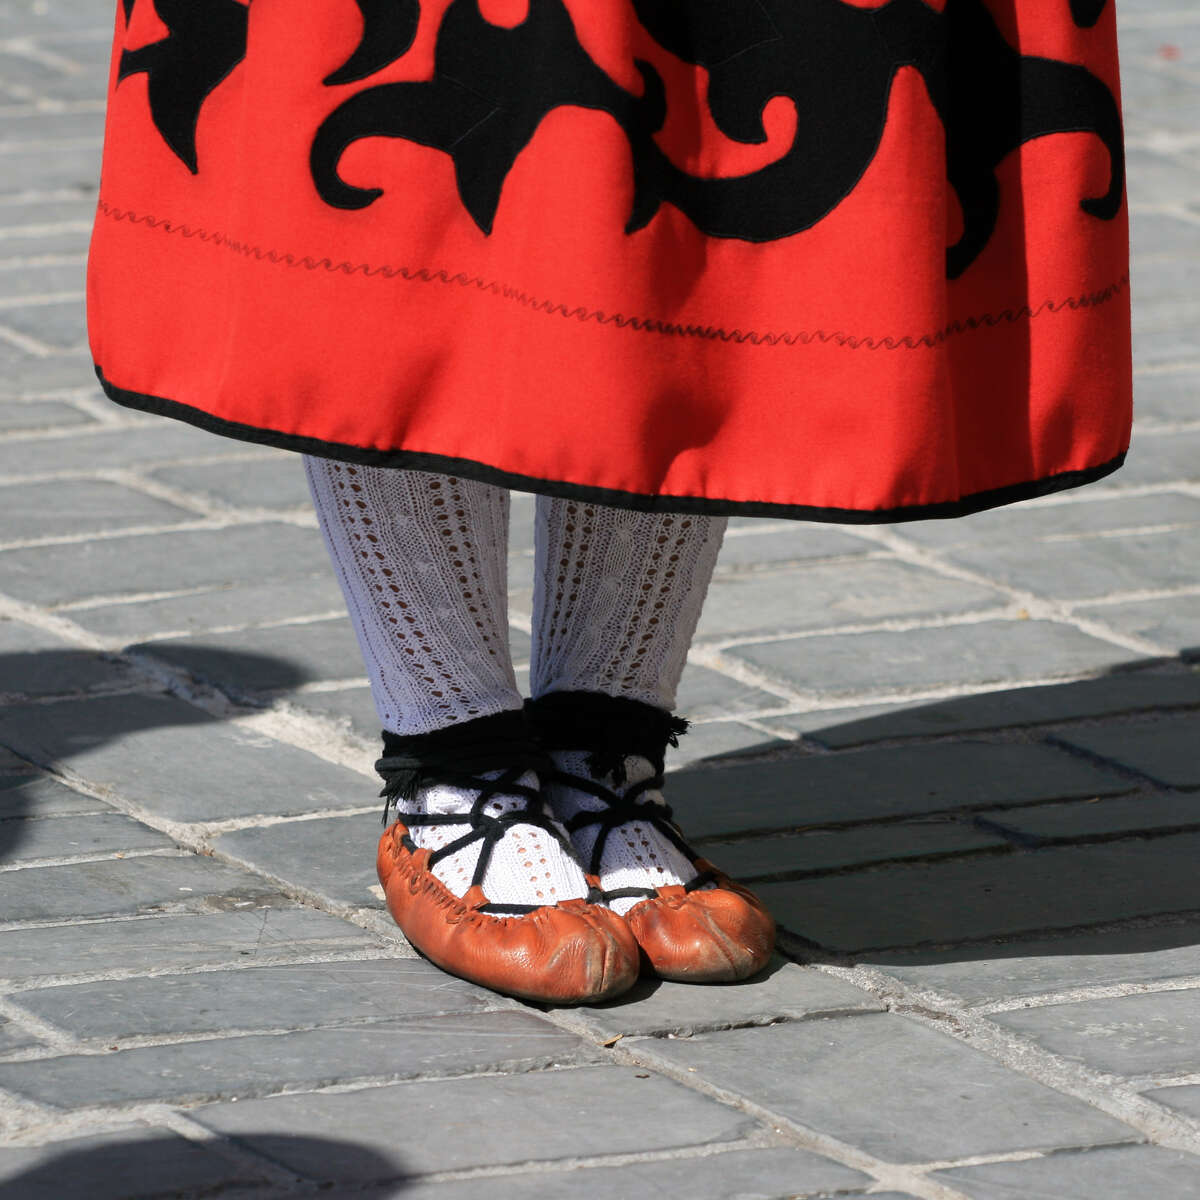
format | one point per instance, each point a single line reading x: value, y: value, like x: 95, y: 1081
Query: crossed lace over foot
x: 626, y: 838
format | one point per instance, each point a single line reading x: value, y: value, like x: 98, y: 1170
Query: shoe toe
x: 718, y: 935
x: 569, y: 953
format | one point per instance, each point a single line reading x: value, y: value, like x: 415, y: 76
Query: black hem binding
x: 419, y: 460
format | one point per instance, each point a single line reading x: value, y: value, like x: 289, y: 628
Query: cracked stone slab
x: 105, y: 833
x: 158, y: 943
x: 981, y: 654
x: 973, y: 899
x: 726, y: 1174
x: 177, y: 760
x: 136, y: 564
x: 828, y: 849
x: 112, y: 887
x: 213, y: 608
x: 782, y: 991
x: 1172, y: 622
x: 454, y: 1124
x: 1186, y: 1099
x: 332, y: 856
x: 300, y: 996
x: 833, y: 594
x: 1154, y: 1032
x: 930, y: 1096
x: 1163, y: 748
x: 26, y: 794
x: 1106, y: 1171
x: 259, y: 1065
x: 1111, y: 695
x: 985, y: 974
x: 114, y: 1166
x: 1093, y: 818
x: 34, y: 662
x: 833, y: 788
x: 75, y: 506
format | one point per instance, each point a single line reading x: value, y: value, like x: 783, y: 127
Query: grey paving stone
x: 1115, y: 1171
x: 989, y: 897
x: 29, y: 794
x: 252, y: 661
x: 36, y: 510
x: 34, y: 662
x: 705, y: 694
x: 885, y: 782
x: 26, y: 415
x: 939, y: 1099
x: 257, y: 998
x: 820, y: 595
x: 352, y: 708
x: 24, y: 375
x: 30, y: 170
x: 453, y: 1124
x: 155, y: 441
x: 714, y: 741
x: 13, y: 1037
x: 176, y: 760
x: 826, y: 849
x: 980, y: 654
x: 1170, y: 396
x: 1173, y: 622
x: 746, y: 551
x: 116, y: 1166
x: 783, y: 990
x: 114, y: 887
x: 1153, y: 175
x: 1156, y: 1032
x: 333, y: 856
x: 210, y: 609
x: 731, y: 1175
x: 259, y: 1065
x: 985, y: 974
x: 1089, y: 567
x: 35, y: 837
x: 142, y: 563
x: 60, y: 325
x: 1110, y: 695
x: 258, y: 931
x: 33, y: 280
x: 1021, y: 524
x: 1167, y: 457
x: 1161, y: 234
x: 276, y: 482
x: 1186, y: 1099
x: 1093, y: 818
x: 1164, y: 748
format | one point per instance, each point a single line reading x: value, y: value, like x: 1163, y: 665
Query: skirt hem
x: 419, y: 460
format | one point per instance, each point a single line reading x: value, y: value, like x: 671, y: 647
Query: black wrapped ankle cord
x: 458, y: 756
x: 609, y: 728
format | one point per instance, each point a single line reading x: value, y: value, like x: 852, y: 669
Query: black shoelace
x: 623, y: 808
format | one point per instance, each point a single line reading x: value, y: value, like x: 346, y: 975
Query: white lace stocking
x: 617, y: 598
x: 422, y: 561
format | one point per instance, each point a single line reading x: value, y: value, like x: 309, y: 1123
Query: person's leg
x: 616, y: 604
x: 422, y: 562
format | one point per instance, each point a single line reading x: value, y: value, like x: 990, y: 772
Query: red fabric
x: 836, y: 367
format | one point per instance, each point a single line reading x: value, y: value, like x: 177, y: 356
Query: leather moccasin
x: 718, y: 935
x: 573, y: 952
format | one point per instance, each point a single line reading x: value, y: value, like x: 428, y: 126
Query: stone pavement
x: 960, y: 760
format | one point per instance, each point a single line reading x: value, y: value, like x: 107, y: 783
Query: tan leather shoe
x: 707, y: 930
x: 573, y: 952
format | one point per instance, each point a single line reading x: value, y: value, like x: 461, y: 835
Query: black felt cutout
x: 389, y: 27
x: 1087, y: 12
x: 492, y: 86
x: 205, y: 42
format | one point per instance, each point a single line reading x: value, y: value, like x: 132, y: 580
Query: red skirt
x: 847, y: 260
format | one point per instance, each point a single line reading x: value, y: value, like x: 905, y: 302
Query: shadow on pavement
x: 62, y: 703
x: 975, y: 827
x: 158, y: 1164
